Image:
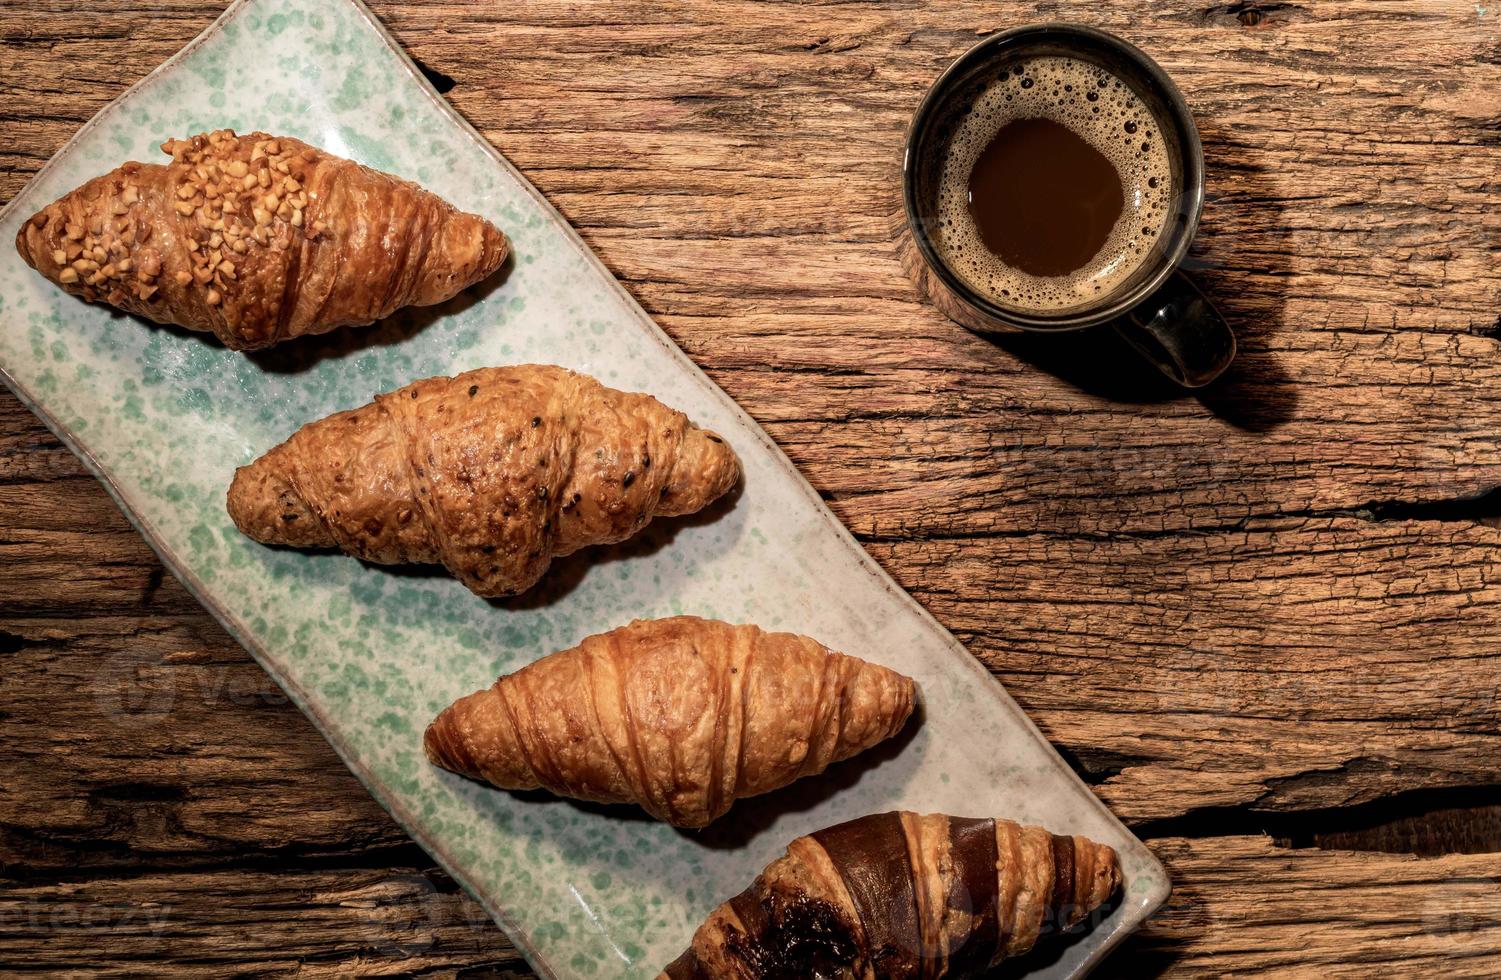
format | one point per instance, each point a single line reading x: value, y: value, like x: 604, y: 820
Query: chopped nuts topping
x: 233, y: 199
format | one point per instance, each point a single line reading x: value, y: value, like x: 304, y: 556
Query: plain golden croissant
x: 491, y: 473
x: 680, y: 716
x: 902, y: 896
x: 258, y: 239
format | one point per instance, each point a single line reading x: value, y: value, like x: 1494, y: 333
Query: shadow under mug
x: 1158, y: 309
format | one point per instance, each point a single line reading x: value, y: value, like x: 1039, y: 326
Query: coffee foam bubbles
x: 1109, y: 116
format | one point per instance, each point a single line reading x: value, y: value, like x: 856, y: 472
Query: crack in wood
x: 131, y: 792
x: 1475, y: 509
x: 1096, y: 765
x: 121, y: 860
x: 1253, y: 14
x: 1483, y: 508
x: 1425, y: 822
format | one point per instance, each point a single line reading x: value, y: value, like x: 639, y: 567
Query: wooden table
x: 1263, y: 622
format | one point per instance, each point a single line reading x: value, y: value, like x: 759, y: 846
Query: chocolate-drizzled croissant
x: 902, y: 896
x: 490, y: 473
x: 257, y: 239
x: 681, y: 716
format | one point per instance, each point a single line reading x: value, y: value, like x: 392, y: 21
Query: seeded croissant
x: 258, y: 239
x: 901, y: 896
x: 680, y: 716
x: 490, y: 473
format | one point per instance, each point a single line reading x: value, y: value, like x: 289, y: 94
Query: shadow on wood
x: 1254, y: 394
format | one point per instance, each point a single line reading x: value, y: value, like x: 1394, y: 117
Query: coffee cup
x: 1053, y: 181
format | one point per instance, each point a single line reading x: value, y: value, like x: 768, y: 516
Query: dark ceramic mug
x: 1157, y: 309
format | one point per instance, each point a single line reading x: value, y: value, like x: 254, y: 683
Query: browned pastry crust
x: 490, y: 473
x: 902, y: 896
x: 681, y: 716
x: 258, y: 239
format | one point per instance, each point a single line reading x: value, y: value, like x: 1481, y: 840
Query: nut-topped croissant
x: 902, y: 896
x: 490, y: 473
x: 258, y: 239
x: 681, y: 716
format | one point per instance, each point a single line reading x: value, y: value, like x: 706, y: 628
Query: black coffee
x: 1043, y: 199
x: 1054, y: 187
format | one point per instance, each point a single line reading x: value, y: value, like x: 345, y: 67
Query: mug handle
x: 1180, y: 331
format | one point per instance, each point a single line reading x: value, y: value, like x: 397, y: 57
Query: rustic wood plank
x: 1355, y: 915
x: 1356, y: 656
x: 1275, y: 599
x: 1244, y: 907
x: 146, y: 745
x: 403, y: 920
x: 1349, y: 222
x: 1292, y: 663
x: 153, y: 739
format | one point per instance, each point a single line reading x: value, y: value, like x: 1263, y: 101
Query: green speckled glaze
x: 371, y: 655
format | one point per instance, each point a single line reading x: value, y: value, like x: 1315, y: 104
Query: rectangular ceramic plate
x: 163, y: 417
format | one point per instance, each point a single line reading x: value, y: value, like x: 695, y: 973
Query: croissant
x: 257, y: 239
x: 902, y: 896
x: 491, y: 473
x: 680, y: 716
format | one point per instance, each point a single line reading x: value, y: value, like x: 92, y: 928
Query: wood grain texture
x: 1272, y: 607
x: 1391, y: 915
